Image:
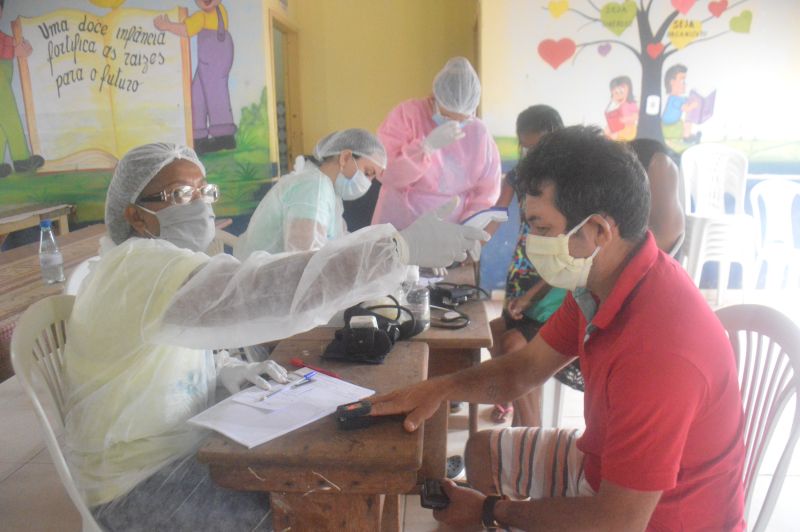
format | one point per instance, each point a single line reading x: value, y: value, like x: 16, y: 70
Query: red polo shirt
x: 662, y: 404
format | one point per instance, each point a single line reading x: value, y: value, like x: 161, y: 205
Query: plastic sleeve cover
x: 228, y: 303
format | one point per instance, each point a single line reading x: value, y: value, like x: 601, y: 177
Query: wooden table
x: 451, y: 350
x: 16, y: 217
x: 323, y: 478
x: 21, y: 280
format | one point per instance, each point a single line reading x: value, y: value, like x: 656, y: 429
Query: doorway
x: 287, y: 91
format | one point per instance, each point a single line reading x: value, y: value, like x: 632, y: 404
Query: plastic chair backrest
x: 767, y: 348
x: 772, y: 201
x: 78, y: 275
x: 710, y: 171
x: 221, y: 240
x: 37, y: 351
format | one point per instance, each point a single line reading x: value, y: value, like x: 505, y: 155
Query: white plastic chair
x: 221, y: 240
x: 772, y: 202
x: 78, y: 275
x: 767, y: 348
x: 37, y: 351
x: 710, y: 171
x: 725, y: 239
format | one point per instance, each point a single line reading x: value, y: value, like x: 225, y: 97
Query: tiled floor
x: 31, y: 496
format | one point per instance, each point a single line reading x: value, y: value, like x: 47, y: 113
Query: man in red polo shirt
x: 663, y: 447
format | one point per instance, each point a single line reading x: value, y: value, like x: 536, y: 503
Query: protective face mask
x: 189, y: 226
x: 352, y: 188
x: 550, y: 256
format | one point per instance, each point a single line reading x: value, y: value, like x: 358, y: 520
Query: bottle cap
x: 45, y: 224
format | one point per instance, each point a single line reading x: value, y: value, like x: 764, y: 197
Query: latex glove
x: 442, y: 136
x: 233, y: 372
x: 431, y: 242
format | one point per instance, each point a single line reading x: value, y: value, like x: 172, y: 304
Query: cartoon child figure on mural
x: 11, y: 133
x: 675, y: 124
x: 622, y: 112
x: 212, y: 116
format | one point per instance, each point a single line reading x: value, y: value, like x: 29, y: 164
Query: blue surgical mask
x: 440, y: 119
x: 352, y: 188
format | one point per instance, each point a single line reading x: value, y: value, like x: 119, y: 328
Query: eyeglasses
x: 183, y: 194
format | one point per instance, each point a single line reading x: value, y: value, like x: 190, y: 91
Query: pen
x: 305, y: 380
x: 298, y: 363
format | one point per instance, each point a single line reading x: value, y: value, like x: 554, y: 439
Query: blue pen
x: 305, y: 380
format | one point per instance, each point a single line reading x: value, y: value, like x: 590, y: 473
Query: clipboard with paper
x: 254, y: 416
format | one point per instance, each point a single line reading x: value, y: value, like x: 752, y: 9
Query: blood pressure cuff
x: 369, y: 345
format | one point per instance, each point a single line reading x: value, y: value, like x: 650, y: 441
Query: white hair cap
x: 359, y: 141
x: 133, y: 172
x: 457, y: 87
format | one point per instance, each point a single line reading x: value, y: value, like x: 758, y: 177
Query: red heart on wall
x: 654, y: 49
x: 556, y: 52
x: 683, y: 5
x: 718, y: 8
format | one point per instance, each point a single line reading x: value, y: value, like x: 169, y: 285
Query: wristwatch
x: 487, y: 514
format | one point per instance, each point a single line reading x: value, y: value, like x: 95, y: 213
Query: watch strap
x: 487, y: 514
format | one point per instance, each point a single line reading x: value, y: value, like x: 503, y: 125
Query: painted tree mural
x: 687, y: 25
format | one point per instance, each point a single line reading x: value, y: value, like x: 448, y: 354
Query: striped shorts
x: 534, y: 462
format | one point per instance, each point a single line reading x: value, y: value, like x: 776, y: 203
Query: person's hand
x: 419, y: 402
x: 433, y: 243
x: 442, y: 136
x: 23, y: 49
x: 465, y: 508
x: 232, y: 372
x: 517, y: 306
x: 161, y: 22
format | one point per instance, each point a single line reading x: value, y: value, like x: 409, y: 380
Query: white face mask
x: 550, y: 256
x: 352, y: 188
x: 189, y: 226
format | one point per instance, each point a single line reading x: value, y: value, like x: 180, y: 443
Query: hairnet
x: 457, y: 87
x: 133, y: 172
x: 359, y: 141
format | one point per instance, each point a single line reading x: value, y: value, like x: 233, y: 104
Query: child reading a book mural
x: 212, y: 117
x: 622, y: 113
x: 11, y: 132
x: 675, y: 122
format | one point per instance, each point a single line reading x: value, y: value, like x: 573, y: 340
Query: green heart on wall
x: 618, y: 16
x: 741, y: 24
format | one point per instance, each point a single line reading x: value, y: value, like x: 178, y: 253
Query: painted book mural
x: 84, y: 81
x: 121, y: 84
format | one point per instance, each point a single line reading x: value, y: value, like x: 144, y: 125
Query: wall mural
x: 82, y: 82
x: 652, y: 41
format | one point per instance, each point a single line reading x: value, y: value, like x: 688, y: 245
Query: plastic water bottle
x: 50, y: 258
x: 416, y: 298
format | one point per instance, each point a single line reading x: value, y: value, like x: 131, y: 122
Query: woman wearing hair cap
x: 438, y: 149
x: 304, y: 209
x: 138, y: 358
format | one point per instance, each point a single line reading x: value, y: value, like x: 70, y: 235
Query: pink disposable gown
x: 415, y: 183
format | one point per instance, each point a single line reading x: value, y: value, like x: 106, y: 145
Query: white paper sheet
x: 251, y: 418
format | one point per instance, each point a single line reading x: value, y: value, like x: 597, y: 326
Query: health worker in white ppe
x: 304, y: 209
x: 437, y: 149
x: 138, y: 362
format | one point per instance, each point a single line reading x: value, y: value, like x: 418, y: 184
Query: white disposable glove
x: 233, y: 372
x: 431, y: 242
x: 442, y: 136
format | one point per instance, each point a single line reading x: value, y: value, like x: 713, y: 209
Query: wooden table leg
x: 63, y: 224
x: 391, y: 520
x: 319, y: 512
